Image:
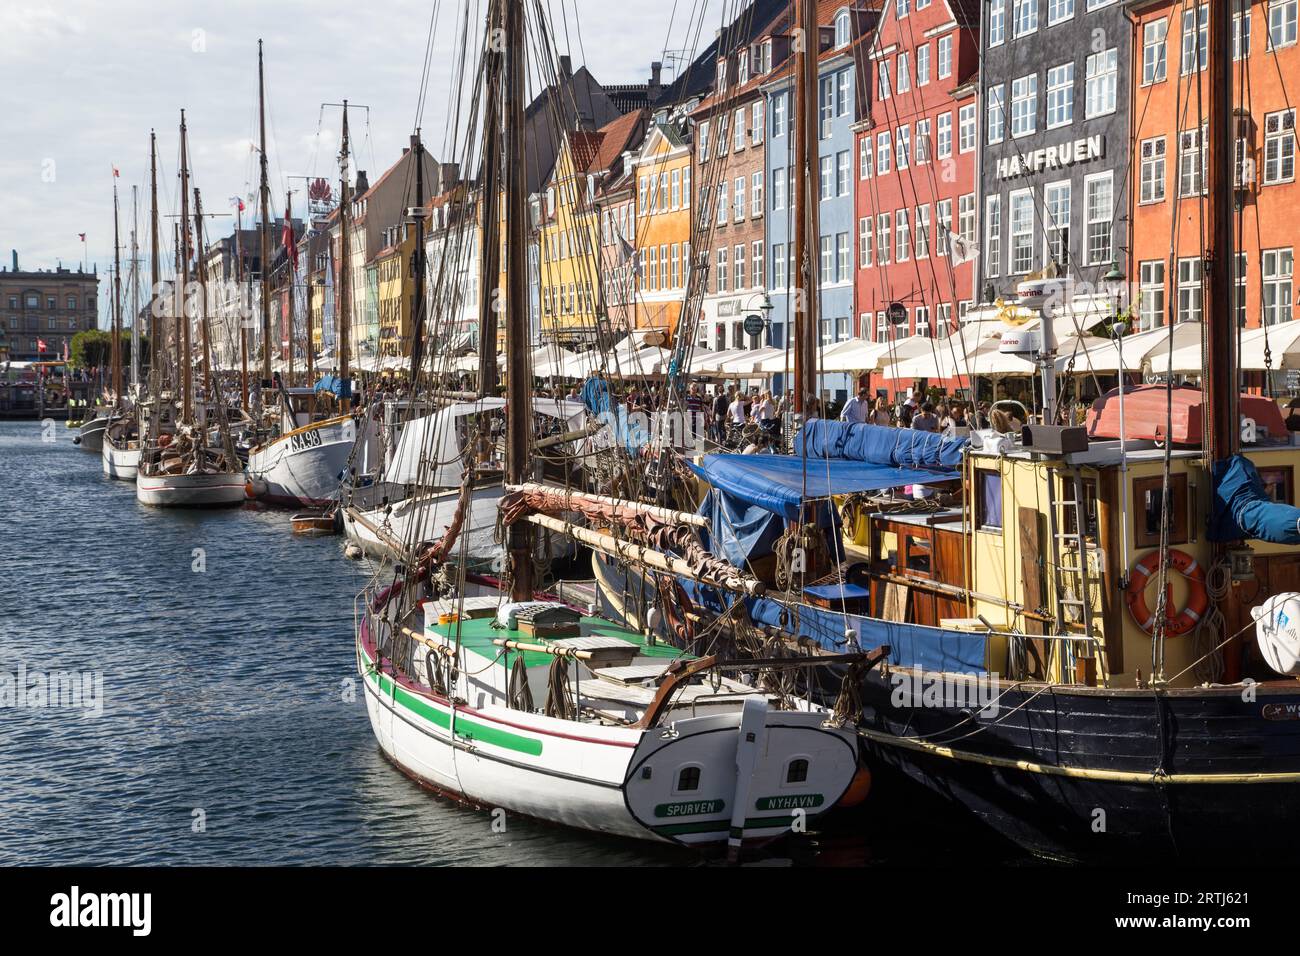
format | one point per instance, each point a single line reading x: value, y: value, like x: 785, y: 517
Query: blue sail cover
x: 1243, y: 509
x: 330, y: 383
x: 879, y: 445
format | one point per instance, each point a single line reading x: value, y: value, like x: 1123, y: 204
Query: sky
x: 82, y: 82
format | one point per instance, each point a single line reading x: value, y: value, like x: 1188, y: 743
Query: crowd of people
x: 949, y: 416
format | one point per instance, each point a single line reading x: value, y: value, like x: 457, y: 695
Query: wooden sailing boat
x: 307, y: 449
x: 636, y: 738
x: 182, y: 469
x: 122, y: 438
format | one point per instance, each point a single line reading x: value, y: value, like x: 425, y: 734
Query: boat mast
x: 187, y: 382
x: 241, y: 316
x: 157, y: 330
x: 117, y: 304
x: 203, y: 291
x: 1220, y: 381
x: 266, y: 225
x: 519, y: 410
x: 135, y: 289
x: 343, y: 330
x: 417, y: 306
x: 288, y: 224
x: 489, y: 209
x: 804, y: 311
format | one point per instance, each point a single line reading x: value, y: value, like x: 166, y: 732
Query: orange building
x: 661, y: 170
x: 1168, y: 191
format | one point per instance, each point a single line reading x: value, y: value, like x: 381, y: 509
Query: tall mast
x: 293, y: 269
x: 187, y: 400
x: 199, y: 258
x: 489, y: 210
x: 266, y: 226
x: 417, y: 306
x: 804, y: 313
x: 518, y: 411
x: 343, y: 332
x: 1221, y: 341
x: 155, y: 277
x: 135, y: 289
x: 117, y: 304
x: 243, y: 318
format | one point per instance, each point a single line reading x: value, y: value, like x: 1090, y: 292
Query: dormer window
x: 765, y: 65
x: 742, y: 70
x: 722, y: 76
x: 842, y: 28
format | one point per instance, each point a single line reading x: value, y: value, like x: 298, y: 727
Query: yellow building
x: 662, y: 172
x: 396, y: 289
x: 568, y: 244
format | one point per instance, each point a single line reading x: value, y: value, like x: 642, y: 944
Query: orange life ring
x: 1198, y: 599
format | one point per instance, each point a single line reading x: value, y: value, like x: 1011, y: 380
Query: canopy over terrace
x: 1268, y: 348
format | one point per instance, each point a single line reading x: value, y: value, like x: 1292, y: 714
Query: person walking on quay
x: 856, y: 409
x: 719, y: 421
x: 926, y: 421
x: 880, y: 414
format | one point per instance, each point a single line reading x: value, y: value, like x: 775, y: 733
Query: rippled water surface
x: 224, y: 705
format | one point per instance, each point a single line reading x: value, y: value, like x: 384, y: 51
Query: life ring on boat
x: 1198, y: 598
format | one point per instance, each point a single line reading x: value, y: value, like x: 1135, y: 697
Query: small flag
x: 290, y: 245
x: 116, y: 173
x: 40, y: 345
x: 963, y: 250
x: 82, y: 235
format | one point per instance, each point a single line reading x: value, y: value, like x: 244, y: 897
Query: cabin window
x: 797, y: 771
x: 988, y: 500
x: 688, y: 779
x: 1148, y: 495
x: 917, y: 554
x: 1278, y: 483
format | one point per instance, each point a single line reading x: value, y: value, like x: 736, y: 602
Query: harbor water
x: 221, y: 721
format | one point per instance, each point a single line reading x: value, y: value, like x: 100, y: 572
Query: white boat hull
x: 425, y: 519
x: 120, y: 462
x: 609, y: 779
x: 207, y: 490
x: 303, y: 467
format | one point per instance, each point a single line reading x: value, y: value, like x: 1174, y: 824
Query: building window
x: 1239, y: 303
x: 923, y: 65
x: 723, y: 270
x: 1024, y: 105
x: 757, y: 123
x: 1151, y: 294
x: 882, y: 153
x: 1058, y: 11
x: 1102, y: 83
x: 988, y: 500
x: 923, y: 232
x: 842, y: 29
x: 865, y: 159
x: 945, y: 56
x: 882, y: 71
x: 1022, y: 232
x: 739, y: 132
x: 738, y: 198
x: 966, y: 217
x: 843, y: 172
x: 903, y: 74
x: 1025, y: 17
x: 827, y: 260
x: 1191, y: 163
x: 1098, y: 197
x: 827, y: 106
x: 722, y: 204
x: 1279, y: 147
x: 71, y: 303
x: 1278, y: 265
x: 966, y: 128
x: 997, y: 118
x: 883, y: 242
x: 864, y: 242
x: 944, y: 145
x: 756, y: 195
x: 1056, y: 225
x: 1154, y: 53
x: 903, y: 147
x: 1189, y: 290
x: 1196, y: 39
x: 922, y: 314
x: 1153, y: 170
x: 778, y: 265
x: 997, y: 22
x: 757, y: 269
x: 842, y: 80
x: 778, y: 116
x: 828, y: 177
x: 922, y: 142
x: 882, y: 327
x: 739, y: 266
x: 1281, y: 24
x: 1150, y: 517
x: 1060, y: 95
x: 843, y: 257
x: 993, y: 236
x: 902, y: 237
x: 778, y: 189
x: 1241, y: 30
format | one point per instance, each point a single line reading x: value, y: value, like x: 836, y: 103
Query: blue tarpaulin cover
x: 1243, y: 509
x: 330, y: 383
x: 777, y: 483
x: 879, y: 445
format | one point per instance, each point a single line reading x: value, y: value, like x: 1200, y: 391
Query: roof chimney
x: 15, y: 252
x: 363, y: 184
x: 566, y: 66
x: 656, y: 71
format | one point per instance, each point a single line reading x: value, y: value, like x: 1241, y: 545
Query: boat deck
x: 477, y: 636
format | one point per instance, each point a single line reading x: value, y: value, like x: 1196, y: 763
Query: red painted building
x: 916, y: 197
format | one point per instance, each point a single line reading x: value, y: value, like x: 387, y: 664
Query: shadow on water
x: 232, y: 731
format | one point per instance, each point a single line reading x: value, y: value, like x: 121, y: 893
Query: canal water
x: 230, y: 729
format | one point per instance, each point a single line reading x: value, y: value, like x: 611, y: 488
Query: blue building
x: 838, y: 96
